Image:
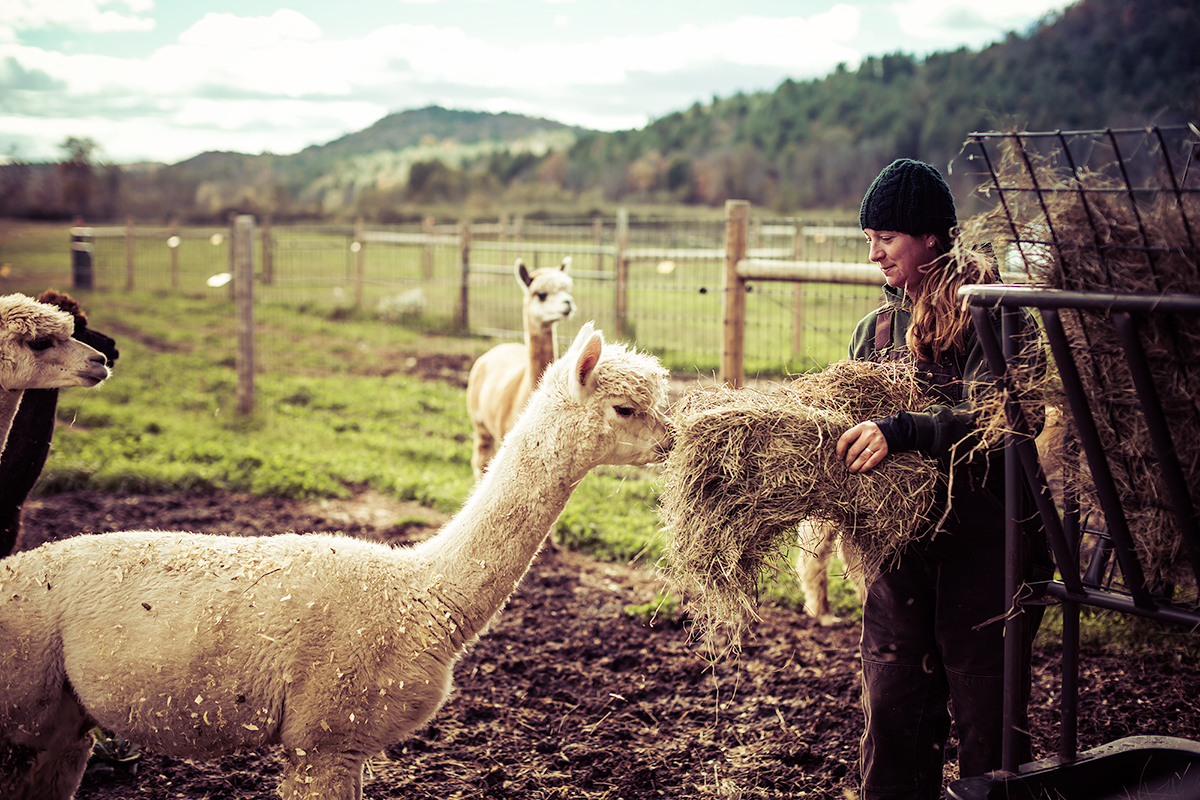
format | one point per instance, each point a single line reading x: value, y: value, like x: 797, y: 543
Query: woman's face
x: 901, y: 256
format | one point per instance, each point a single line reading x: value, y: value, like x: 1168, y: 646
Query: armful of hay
x: 748, y: 466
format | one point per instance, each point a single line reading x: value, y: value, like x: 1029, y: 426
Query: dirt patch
x: 569, y: 696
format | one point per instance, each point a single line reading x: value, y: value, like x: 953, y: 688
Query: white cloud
x: 956, y: 20
x: 79, y: 15
x: 280, y: 82
x: 230, y: 32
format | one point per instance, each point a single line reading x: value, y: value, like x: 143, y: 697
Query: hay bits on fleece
x: 748, y: 465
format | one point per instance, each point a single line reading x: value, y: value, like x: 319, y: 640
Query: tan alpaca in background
x: 818, y: 542
x: 502, y: 379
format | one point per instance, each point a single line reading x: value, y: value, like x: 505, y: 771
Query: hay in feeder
x: 1081, y: 231
x: 749, y: 465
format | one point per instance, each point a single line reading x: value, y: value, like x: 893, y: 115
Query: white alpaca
x: 196, y: 645
x: 818, y: 541
x: 502, y: 379
x: 37, y: 352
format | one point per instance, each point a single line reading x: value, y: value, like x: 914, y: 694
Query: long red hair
x: 939, y: 318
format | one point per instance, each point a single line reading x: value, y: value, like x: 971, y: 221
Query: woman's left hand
x: 862, y: 447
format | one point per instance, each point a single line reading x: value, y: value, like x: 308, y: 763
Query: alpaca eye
x: 624, y: 411
x: 41, y: 344
x: 541, y: 296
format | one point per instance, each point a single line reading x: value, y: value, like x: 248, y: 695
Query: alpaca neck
x: 485, y: 550
x: 542, y: 347
x: 10, y: 401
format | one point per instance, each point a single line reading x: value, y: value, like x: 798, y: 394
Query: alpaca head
x: 547, y: 293
x: 612, y: 400
x: 37, y: 351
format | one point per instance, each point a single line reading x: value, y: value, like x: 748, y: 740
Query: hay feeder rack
x: 1126, y: 202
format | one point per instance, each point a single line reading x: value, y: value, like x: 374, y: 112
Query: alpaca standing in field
x: 502, y: 379
x: 33, y: 429
x: 196, y: 645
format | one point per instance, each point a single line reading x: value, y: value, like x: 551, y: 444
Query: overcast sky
x: 167, y: 80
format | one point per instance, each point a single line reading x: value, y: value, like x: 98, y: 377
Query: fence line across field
x: 663, y: 284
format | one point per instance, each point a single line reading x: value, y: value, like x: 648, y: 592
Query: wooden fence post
x: 358, y: 248
x: 598, y: 232
x: 173, y: 243
x: 129, y: 244
x: 82, y: 274
x: 733, y: 325
x: 243, y: 294
x: 464, y: 263
x: 231, y: 237
x: 798, y: 294
x: 268, y: 253
x: 427, y: 252
x: 622, y: 272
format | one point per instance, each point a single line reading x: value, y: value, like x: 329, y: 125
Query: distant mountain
x: 329, y: 179
x: 434, y: 124
x: 819, y: 143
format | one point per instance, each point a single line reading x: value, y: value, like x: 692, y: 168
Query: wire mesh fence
x: 656, y: 282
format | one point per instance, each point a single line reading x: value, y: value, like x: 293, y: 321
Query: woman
x: 932, y: 638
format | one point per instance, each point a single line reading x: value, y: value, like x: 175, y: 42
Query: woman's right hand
x: 862, y: 447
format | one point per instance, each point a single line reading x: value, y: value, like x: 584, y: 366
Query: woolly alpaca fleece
x: 197, y: 645
x: 22, y: 320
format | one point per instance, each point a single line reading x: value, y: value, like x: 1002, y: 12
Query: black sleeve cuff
x: 899, y: 431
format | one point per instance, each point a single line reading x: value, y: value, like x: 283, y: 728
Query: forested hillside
x: 1102, y: 63
x: 806, y: 145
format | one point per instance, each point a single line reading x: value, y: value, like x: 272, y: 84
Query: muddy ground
x: 569, y: 696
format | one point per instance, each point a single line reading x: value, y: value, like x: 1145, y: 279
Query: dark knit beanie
x: 910, y: 197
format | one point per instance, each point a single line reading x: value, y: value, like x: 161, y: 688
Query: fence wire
x: 657, y: 283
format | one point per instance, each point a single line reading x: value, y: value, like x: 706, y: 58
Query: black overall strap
x: 883, y: 330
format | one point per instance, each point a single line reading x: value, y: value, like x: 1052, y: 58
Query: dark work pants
x: 927, y: 648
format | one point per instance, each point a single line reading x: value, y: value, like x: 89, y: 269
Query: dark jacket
x: 956, y: 382
x: 946, y: 428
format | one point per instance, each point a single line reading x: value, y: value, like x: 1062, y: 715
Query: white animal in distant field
x: 502, y: 379
x: 196, y: 645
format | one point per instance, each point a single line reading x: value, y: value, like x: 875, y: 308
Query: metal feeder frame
x: 1076, y: 585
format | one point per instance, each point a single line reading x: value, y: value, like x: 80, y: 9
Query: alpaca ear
x: 585, y: 355
x: 585, y: 333
x: 522, y: 274
x: 565, y: 265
